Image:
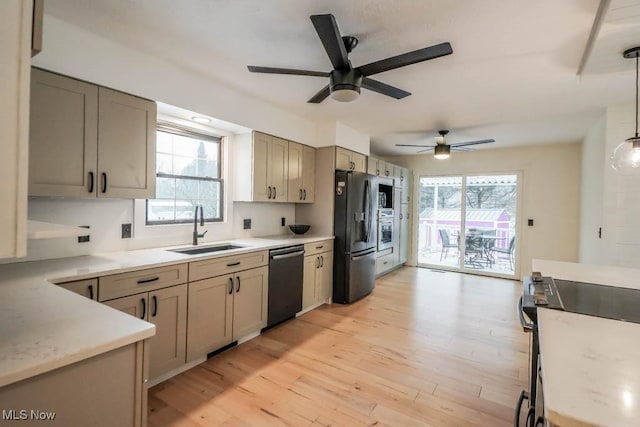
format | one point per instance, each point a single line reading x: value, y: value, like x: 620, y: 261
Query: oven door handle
x: 526, y: 326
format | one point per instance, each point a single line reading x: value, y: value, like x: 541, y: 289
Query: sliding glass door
x: 469, y: 223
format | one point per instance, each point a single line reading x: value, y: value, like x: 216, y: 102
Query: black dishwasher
x: 285, y: 283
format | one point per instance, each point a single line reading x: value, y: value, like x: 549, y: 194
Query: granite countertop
x: 44, y: 327
x: 591, y: 373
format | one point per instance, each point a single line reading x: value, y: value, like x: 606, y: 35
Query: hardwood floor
x: 425, y: 348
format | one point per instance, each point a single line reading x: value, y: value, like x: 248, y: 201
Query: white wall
x: 337, y: 133
x: 621, y: 197
x: 550, y: 193
x: 591, y: 192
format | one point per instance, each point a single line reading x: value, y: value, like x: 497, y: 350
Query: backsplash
x: 105, y: 218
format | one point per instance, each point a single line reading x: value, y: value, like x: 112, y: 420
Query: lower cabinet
x: 87, y: 288
x: 317, y: 284
x: 167, y: 309
x: 225, y: 308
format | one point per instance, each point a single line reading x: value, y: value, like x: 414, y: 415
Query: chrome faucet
x: 197, y: 235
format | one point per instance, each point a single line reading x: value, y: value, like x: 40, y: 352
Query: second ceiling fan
x: 442, y: 150
x: 345, y: 81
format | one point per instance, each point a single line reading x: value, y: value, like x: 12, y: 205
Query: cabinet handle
x: 400, y: 216
x: 320, y: 247
x: 90, y: 288
x: 407, y: 215
x: 230, y: 285
x: 321, y: 261
x: 317, y: 262
x: 275, y: 193
x: 233, y: 264
x: 104, y: 182
x: 401, y: 178
x: 155, y: 306
x: 386, y: 173
x: 238, y: 287
x: 91, y: 182
x: 144, y: 308
x: 300, y: 197
x: 153, y: 279
x: 269, y: 192
x: 305, y: 194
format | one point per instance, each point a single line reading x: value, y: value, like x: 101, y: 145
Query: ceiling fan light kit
x: 345, y: 81
x: 626, y: 157
x: 441, y: 152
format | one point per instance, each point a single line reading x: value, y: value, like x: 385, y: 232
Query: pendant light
x: 626, y: 157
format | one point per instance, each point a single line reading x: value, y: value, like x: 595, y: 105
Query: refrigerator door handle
x: 365, y: 210
x: 353, y: 258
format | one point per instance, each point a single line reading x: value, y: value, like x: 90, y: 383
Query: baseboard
x: 176, y: 371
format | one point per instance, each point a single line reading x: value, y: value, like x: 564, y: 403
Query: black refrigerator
x: 354, y: 226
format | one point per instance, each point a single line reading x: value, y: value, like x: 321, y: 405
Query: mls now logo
x: 24, y: 414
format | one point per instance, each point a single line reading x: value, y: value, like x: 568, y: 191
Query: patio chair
x: 446, y: 243
x: 474, y: 251
x: 508, y: 251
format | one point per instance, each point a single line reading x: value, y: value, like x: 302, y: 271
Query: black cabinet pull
x: 90, y: 287
x: 230, y: 285
x: 91, y: 182
x: 275, y: 193
x: 104, y: 182
x: 144, y: 308
x: 317, y: 262
x: 233, y: 264
x: 321, y: 261
x: 269, y: 192
x: 238, y: 288
x: 155, y: 305
x: 305, y: 194
x: 300, y: 196
x: 153, y: 279
x: 320, y: 247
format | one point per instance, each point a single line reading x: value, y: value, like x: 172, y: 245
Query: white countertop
x: 591, y: 365
x: 44, y: 327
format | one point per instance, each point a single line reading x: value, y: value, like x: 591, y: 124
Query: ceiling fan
x: 442, y: 150
x: 345, y: 81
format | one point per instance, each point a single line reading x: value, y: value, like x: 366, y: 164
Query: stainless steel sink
x: 206, y: 249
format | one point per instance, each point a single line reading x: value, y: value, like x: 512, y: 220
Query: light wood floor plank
x: 424, y: 349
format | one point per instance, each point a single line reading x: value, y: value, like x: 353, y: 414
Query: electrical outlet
x: 530, y: 222
x: 84, y: 239
x: 246, y: 224
x: 282, y: 222
x: 126, y: 231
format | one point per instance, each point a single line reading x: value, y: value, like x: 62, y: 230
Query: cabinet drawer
x: 87, y: 288
x: 318, y: 247
x: 384, y: 263
x: 218, y: 266
x: 124, y: 284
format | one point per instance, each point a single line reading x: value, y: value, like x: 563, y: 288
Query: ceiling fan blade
x: 327, y: 30
x: 462, y: 149
x: 405, y: 59
x: 424, y: 151
x: 272, y: 70
x: 320, y: 96
x: 384, y: 88
x: 414, y: 145
x: 464, y: 144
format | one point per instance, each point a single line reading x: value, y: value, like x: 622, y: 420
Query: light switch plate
x: 246, y: 224
x: 126, y: 231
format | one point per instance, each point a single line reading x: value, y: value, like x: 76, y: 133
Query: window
x: 187, y: 174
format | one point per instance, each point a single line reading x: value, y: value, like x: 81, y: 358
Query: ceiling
x: 512, y: 76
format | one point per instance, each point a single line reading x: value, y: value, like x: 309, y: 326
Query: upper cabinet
x: 15, y: 44
x: 380, y: 167
x: 89, y: 141
x: 302, y: 170
x: 350, y: 160
x: 281, y: 170
x: 405, y: 181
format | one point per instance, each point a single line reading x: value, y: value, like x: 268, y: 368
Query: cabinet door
x: 250, y: 301
x: 308, y: 174
x: 260, y: 164
x: 343, y: 159
x: 359, y: 162
x: 126, y: 146
x: 63, y: 136
x: 294, y: 183
x: 325, y: 279
x: 168, y: 311
x: 396, y: 226
x: 309, y: 293
x: 135, y: 305
x: 278, y: 166
x: 404, y: 233
x: 406, y: 185
x: 87, y: 288
x: 210, y: 317
x: 372, y: 166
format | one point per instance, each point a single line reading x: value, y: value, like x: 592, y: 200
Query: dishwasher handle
x: 289, y: 255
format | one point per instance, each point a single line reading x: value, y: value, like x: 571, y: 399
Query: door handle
x: 321, y: 261
x: 304, y: 197
x: 90, y: 289
x: 104, y: 182
x: 238, y: 287
x: 317, y: 262
x: 300, y: 197
x: 269, y: 192
x: 144, y: 307
x: 362, y: 256
x: 275, y: 193
x: 155, y: 306
x: 230, y: 285
x: 91, y: 182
